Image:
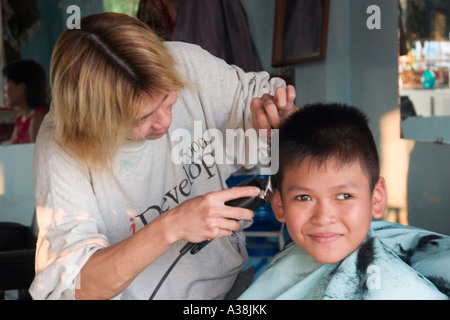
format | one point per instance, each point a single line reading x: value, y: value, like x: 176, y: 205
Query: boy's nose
x: 323, y: 214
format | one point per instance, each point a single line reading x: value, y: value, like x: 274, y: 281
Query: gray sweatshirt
x: 80, y: 212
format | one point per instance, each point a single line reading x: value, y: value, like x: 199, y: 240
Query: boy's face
x: 328, y: 210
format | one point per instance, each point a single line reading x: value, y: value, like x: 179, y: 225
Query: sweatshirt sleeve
x: 224, y: 91
x: 70, y: 226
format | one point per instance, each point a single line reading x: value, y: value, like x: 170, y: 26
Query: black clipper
x: 251, y: 203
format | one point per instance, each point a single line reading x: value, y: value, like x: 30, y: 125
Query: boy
x: 328, y: 191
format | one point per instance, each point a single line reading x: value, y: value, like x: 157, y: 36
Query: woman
x: 25, y: 89
x: 113, y: 209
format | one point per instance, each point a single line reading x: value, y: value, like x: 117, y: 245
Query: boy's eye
x: 303, y: 197
x: 343, y: 196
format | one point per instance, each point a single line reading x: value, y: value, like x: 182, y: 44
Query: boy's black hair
x: 324, y: 131
x: 33, y: 75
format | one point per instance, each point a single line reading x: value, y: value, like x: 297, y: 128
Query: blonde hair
x: 99, y: 76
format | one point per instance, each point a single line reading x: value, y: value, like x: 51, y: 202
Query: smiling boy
x: 328, y: 209
x: 328, y: 189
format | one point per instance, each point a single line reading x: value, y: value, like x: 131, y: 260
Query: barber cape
x: 394, y: 262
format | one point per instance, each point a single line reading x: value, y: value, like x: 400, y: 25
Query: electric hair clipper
x: 251, y: 203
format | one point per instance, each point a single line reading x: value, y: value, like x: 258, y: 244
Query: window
x: 129, y: 7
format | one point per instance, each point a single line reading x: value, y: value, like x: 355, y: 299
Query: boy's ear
x: 379, y: 199
x: 277, y: 205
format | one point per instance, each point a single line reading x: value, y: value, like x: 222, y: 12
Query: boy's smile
x: 328, y: 209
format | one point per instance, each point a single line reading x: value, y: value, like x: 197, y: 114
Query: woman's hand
x: 207, y: 217
x: 268, y: 112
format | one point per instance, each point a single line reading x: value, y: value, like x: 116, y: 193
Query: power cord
x: 183, y: 251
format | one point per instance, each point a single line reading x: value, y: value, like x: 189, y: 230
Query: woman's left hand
x: 268, y: 112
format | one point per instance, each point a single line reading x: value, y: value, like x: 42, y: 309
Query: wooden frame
x: 300, y: 33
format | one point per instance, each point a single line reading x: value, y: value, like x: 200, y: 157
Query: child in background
x: 328, y: 189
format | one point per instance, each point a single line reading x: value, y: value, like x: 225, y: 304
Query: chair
x: 17, y: 257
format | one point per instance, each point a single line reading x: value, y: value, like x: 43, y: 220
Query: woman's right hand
x: 207, y: 217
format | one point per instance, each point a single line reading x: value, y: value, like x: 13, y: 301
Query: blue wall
x: 16, y: 183
x: 53, y: 22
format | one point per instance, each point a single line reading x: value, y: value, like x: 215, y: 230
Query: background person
x: 25, y: 89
